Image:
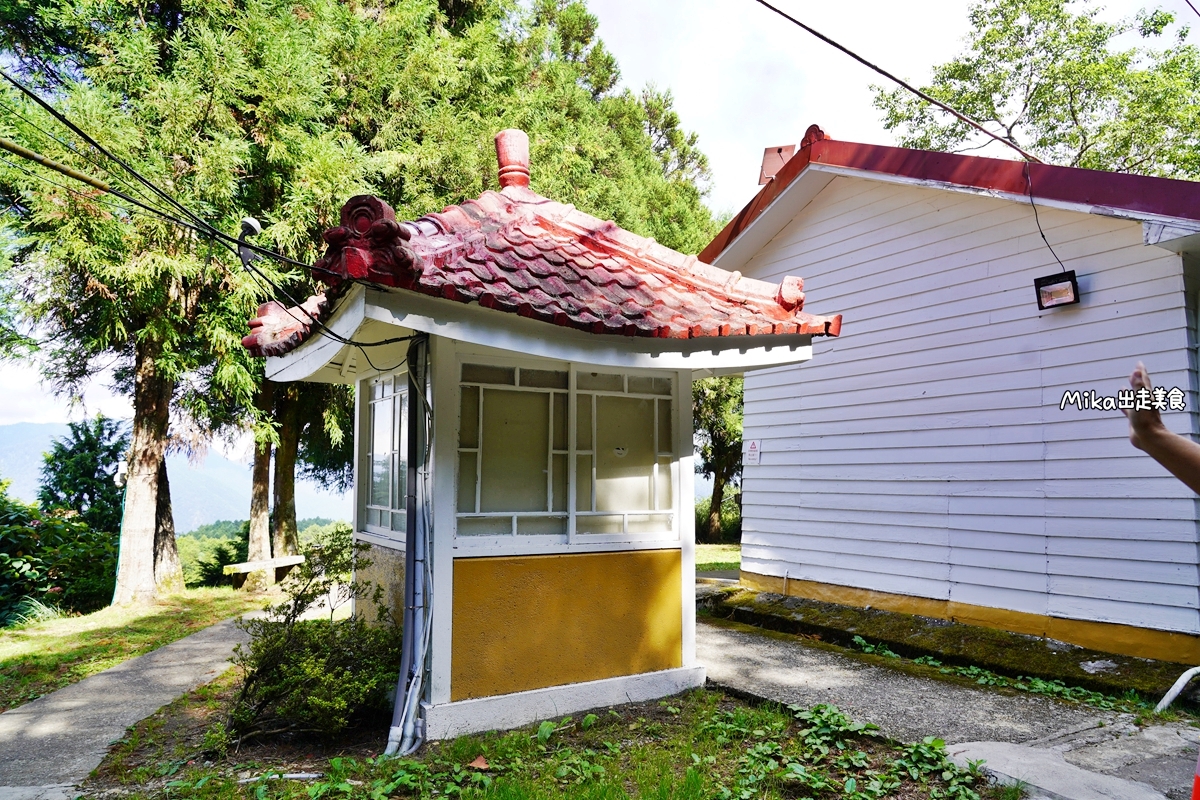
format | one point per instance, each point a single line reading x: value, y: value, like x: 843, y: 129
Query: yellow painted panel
x: 528, y: 622
x: 1108, y: 637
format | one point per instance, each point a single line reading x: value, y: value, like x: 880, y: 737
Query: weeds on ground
x: 1130, y: 702
x: 39, y: 657
x: 697, y: 746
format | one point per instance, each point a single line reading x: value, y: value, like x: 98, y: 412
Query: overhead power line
x: 923, y: 95
x: 197, y: 223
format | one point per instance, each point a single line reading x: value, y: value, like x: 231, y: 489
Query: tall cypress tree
x: 281, y: 111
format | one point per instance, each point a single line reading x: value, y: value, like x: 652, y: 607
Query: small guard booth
x: 524, y: 440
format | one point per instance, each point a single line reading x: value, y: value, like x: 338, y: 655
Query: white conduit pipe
x: 1176, y: 689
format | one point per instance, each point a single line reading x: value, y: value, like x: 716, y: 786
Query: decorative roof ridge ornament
x: 518, y: 252
x: 369, y: 245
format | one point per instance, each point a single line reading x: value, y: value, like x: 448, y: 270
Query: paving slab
x: 53, y: 742
x: 904, y: 706
x: 1048, y: 772
x: 1063, y: 751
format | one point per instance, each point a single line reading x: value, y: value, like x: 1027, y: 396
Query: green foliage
x: 326, y: 435
x: 221, y: 529
x: 1048, y: 75
x: 317, y: 675
x: 52, y: 557
x: 78, y: 472
x: 927, y: 760
x: 731, y: 517
x: 876, y: 649
x: 717, y: 410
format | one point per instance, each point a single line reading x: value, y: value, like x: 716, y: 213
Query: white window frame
x: 513, y: 541
x: 366, y: 445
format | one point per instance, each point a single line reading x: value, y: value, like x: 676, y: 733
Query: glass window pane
x: 664, y: 427
x: 639, y: 384
x: 583, y: 483
x: 649, y: 523
x: 542, y: 526
x: 560, y: 483
x: 398, y: 521
x: 377, y: 390
x: 400, y: 483
x: 583, y: 422
x: 610, y: 523
x: 401, y: 479
x: 516, y: 434
x: 663, y: 485
x: 625, y: 454
x: 468, y: 426
x: 601, y: 381
x: 373, y: 516
x: 543, y: 378
x: 483, y: 373
x: 560, y: 421
x: 485, y: 526
x: 381, y: 454
x: 466, y: 483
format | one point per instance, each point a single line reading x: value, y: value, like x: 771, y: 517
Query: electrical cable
x: 93, y: 161
x: 1192, y: 7
x: 924, y: 96
x: 197, y: 220
x: 208, y: 231
x: 1029, y: 183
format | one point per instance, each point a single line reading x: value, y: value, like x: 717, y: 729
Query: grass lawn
x: 700, y: 745
x: 711, y: 557
x: 38, y: 658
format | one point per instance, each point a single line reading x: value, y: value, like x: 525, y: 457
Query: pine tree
x: 78, y: 474
x: 281, y: 111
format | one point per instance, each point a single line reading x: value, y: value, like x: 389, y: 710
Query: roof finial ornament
x: 512, y: 156
x: 813, y: 135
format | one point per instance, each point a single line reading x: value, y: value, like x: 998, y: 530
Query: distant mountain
x: 215, y: 489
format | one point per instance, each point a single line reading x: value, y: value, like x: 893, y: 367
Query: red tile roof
x: 522, y: 253
x: 1103, y: 190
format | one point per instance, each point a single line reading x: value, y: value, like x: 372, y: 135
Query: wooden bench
x: 282, y: 566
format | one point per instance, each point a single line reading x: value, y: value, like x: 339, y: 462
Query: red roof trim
x: 1138, y: 194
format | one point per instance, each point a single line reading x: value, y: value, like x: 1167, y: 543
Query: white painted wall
x: 923, y: 452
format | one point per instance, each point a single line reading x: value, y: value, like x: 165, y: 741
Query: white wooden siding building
x: 928, y: 466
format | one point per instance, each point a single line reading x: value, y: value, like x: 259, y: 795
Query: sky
x: 743, y: 80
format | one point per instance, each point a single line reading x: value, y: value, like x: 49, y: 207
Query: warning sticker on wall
x: 751, y: 451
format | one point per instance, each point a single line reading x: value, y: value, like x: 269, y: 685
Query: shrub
x: 731, y: 517
x: 52, y: 557
x: 317, y: 675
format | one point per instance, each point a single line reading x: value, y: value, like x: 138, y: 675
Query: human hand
x: 1146, y: 424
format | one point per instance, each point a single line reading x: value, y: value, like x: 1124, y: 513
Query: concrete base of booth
x: 506, y: 711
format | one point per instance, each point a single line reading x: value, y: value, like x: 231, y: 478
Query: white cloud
x: 24, y: 397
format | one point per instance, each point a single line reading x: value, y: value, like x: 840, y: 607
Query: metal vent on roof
x: 773, y: 160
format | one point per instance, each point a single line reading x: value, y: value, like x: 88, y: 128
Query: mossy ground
x: 700, y: 745
x: 1005, y: 653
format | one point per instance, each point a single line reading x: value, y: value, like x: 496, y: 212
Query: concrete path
x: 52, y: 743
x: 1061, y: 750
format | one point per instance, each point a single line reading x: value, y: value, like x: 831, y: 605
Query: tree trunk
x: 712, y: 529
x: 147, y: 445
x: 260, y: 499
x: 168, y: 571
x: 287, y: 414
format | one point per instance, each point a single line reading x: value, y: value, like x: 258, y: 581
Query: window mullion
x: 572, y: 457
x: 479, y: 456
